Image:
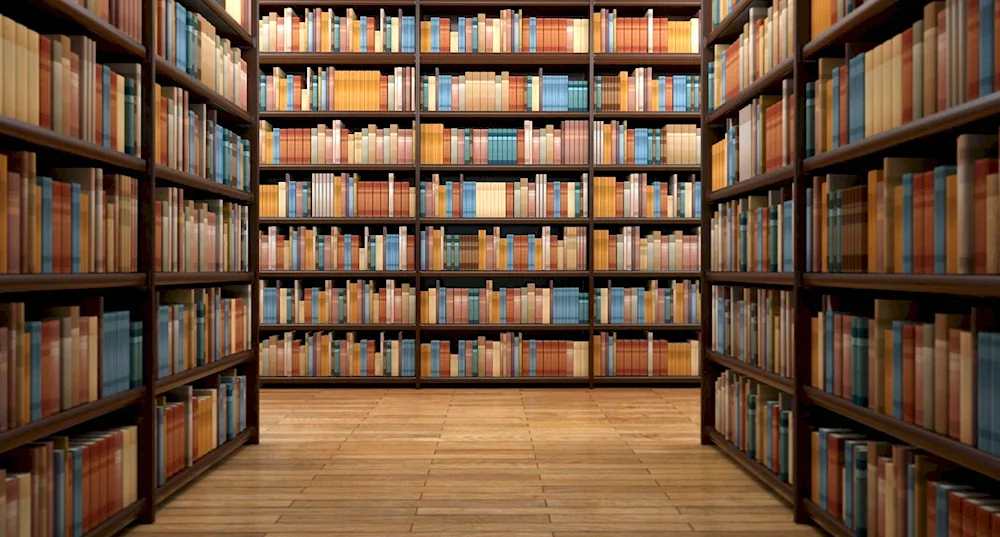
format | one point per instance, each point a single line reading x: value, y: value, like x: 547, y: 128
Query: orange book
x: 972, y: 50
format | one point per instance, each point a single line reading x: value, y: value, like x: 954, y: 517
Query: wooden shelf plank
x: 337, y: 221
x: 643, y: 381
x: 732, y: 24
x: 765, y: 181
x: 750, y: 279
x: 646, y: 220
x: 503, y: 381
x: 679, y: 274
x: 522, y: 60
x: 773, y: 380
x: 508, y: 327
x: 445, y: 116
x: 929, y: 441
x: 285, y: 168
x: 31, y: 137
x: 670, y: 61
x: 118, y: 521
x: 780, y: 72
x: 225, y: 25
x: 66, y: 419
x: 24, y: 283
x: 513, y: 221
x: 202, y: 465
x: 70, y: 17
x: 641, y: 168
x: 326, y: 115
x: 337, y: 381
x: 281, y: 4
x: 504, y: 168
x: 764, y: 475
x: 192, y: 375
x: 174, y: 279
x: 672, y: 117
x: 179, y: 178
x: 495, y: 3
x: 337, y: 58
x: 857, y: 24
x: 827, y: 522
x: 339, y: 327
x: 547, y: 274
x: 674, y: 327
x: 231, y: 115
x: 967, y: 285
x: 347, y: 274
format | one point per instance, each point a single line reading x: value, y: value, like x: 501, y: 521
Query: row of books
x: 337, y: 195
x: 945, y: 59
x: 324, y: 31
x: 565, y: 143
x: 531, y: 304
x: 384, y: 302
x: 826, y: 13
x: 336, y: 144
x: 478, y: 91
x: 187, y: 40
x: 644, y: 35
x: 657, y: 251
x: 126, y: 15
x: 758, y: 420
x: 199, y: 235
x: 79, y: 221
x: 525, y: 198
x: 932, y: 369
x: 58, y: 357
x: 639, y: 197
x: 912, y: 216
x: 616, y: 357
x: 70, y: 485
x: 758, y: 141
x: 767, y: 39
x: 510, y: 355
x: 754, y: 234
x: 201, y: 326
x: 188, y: 137
x: 323, y: 354
x: 616, y: 143
x: 881, y: 488
x: 326, y: 88
x: 191, y: 422
x: 642, y: 91
x: 677, y: 302
x: 497, y: 251
x: 755, y: 326
x: 510, y: 32
x: 55, y: 83
x: 305, y: 248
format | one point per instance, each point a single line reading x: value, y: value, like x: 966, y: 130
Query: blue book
x: 181, y: 37
x: 46, y: 185
x: 897, y: 369
x: 907, y: 218
x: 848, y: 483
x: 75, y: 453
x: 994, y: 432
x: 836, y: 106
x: 435, y: 34
x: 984, y: 402
x: 986, y: 37
x: 860, y: 509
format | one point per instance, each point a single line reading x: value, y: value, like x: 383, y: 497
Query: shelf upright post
x: 417, y: 180
x: 253, y: 131
x: 591, y: 109
x: 708, y: 138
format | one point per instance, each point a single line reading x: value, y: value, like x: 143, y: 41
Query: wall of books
x: 480, y: 193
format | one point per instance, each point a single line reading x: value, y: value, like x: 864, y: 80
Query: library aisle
x: 449, y: 462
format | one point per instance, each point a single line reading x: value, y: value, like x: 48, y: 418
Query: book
x: 321, y: 30
x: 489, y: 91
x: 644, y: 35
x: 200, y: 326
x: 324, y: 354
x: 826, y: 13
x: 564, y: 143
x: 199, y: 235
x: 640, y: 196
x: 656, y: 251
x: 754, y: 234
x: 308, y: 248
x: 326, y: 88
x: 358, y: 302
x: 337, y: 195
x: 755, y: 326
x: 643, y: 91
x: 616, y: 356
x: 668, y: 302
x: 758, y: 141
x: 509, y: 32
x: 492, y: 304
x: 509, y: 354
x: 336, y: 144
x: 758, y: 420
x: 566, y: 249
x: 614, y: 142
x: 485, y: 198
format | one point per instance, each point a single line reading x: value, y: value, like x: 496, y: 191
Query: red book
x: 984, y: 167
x: 972, y: 64
x: 908, y: 75
x: 45, y: 82
x: 909, y: 364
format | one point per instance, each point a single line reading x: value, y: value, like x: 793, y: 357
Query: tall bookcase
x: 585, y: 66
x: 823, y: 283
x: 126, y: 33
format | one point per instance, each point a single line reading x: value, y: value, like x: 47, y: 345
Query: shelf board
x: 508, y: 327
x: 107, y: 37
x: 827, y: 522
x: 504, y: 168
x: 750, y: 279
x: 337, y: 381
x: 670, y: 327
x: 678, y: 4
x: 118, y: 521
x: 340, y: 327
x: 337, y: 58
x: 547, y: 274
x: 200, y: 466
x: 325, y: 115
x: 494, y: 3
x: 929, y: 441
x: 732, y: 24
x: 225, y: 25
x: 855, y: 24
x: 775, y: 381
x: 445, y: 116
x: 642, y: 168
x: 338, y: 220
x: 184, y: 179
x: 229, y: 113
x: 681, y: 274
x: 175, y: 279
x: 647, y: 220
x: 524, y: 60
x: 512, y: 221
x: 922, y: 129
x: 672, y: 61
x: 764, y: 475
x: 38, y: 137
x: 967, y: 285
x: 504, y: 381
x: 772, y: 179
x: 191, y: 375
x: 284, y: 168
x: 657, y: 115
x: 349, y: 274
x: 266, y: 4
x: 24, y: 283
x: 774, y: 76
x: 32, y: 431
x: 643, y: 381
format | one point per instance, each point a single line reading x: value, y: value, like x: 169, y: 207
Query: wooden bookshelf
x: 765, y: 476
x: 198, y: 468
x: 784, y: 384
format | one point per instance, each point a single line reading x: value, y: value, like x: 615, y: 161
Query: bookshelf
x: 891, y: 414
x: 586, y: 67
x: 104, y: 284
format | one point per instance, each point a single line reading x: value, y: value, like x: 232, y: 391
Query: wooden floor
x: 478, y: 462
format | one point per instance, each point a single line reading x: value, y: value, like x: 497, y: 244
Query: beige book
x: 21, y: 59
